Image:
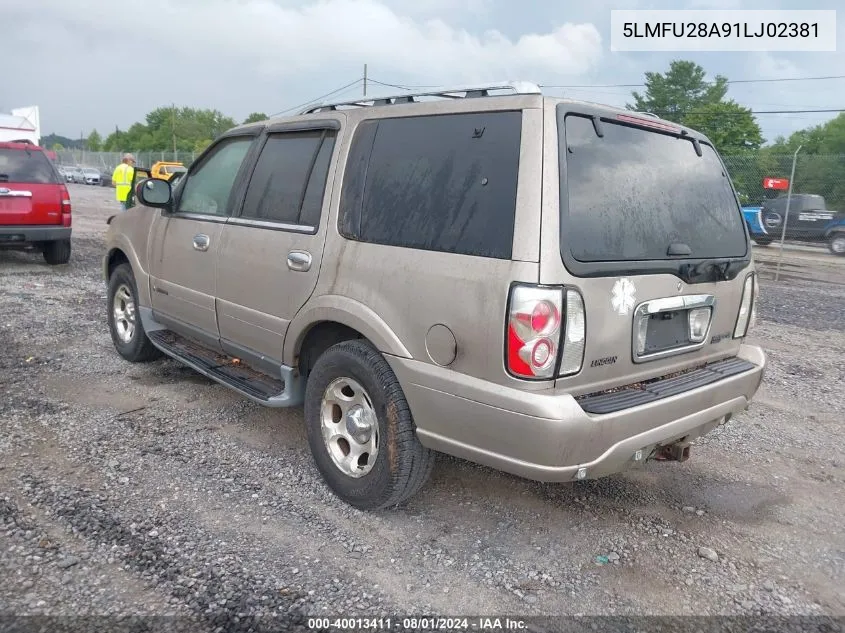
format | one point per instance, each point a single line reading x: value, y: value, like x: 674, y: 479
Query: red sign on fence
x: 775, y: 183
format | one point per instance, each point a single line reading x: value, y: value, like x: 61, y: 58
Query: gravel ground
x: 149, y: 490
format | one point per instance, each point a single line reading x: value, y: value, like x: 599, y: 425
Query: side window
x: 444, y: 183
x: 207, y: 190
x: 289, y: 179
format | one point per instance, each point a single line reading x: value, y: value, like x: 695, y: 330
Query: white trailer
x: 23, y: 124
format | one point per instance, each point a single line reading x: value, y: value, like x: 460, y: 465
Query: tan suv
x: 553, y: 288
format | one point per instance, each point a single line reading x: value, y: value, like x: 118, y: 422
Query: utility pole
x: 786, y: 213
x: 173, y: 126
x: 365, y: 80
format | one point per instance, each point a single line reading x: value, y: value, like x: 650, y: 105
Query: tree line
x: 683, y: 95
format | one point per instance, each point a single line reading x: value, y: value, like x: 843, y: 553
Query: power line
x: 790, y: 111
x: 640, y: 85
x: 819, y: 111
x: 320, y: 98
x: 730, y: 81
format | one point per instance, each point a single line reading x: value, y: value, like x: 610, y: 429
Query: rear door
x: 184, y: 244
x: 645, y: 224
x: 270, y: 252
x: 29, y: 187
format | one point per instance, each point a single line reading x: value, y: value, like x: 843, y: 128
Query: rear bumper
x: 14, y: 236
x: 547, y: 436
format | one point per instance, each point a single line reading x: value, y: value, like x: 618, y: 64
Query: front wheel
x: 836, y: 244
x: 762, y: 241
x: 127, y: 332
x: 360, y: 430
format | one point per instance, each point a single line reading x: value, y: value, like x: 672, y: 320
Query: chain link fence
x: 106, y: 161
x: 809, y: 210
x: 816, y: 213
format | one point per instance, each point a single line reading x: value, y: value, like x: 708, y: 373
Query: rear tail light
x: 65, y: 205
x: 537, y: 323
x: 747, y: 306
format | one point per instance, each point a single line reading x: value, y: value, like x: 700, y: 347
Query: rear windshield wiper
x: 4, y: 177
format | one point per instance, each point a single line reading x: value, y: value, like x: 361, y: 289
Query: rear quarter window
x: 26, y: 166
x: 443, y: 183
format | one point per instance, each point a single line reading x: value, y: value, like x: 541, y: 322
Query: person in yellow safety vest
x: 122, y: 179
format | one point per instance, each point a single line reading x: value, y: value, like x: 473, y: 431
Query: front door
x: 184, y: 243
x: 270, y: 252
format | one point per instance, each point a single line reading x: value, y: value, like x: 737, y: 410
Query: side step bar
x: 285, y: 391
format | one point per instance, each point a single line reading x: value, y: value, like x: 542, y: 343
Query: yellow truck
x: 166, y: 170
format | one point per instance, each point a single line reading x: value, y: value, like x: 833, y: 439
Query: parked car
x: 91, y: 176
x: 809, y: 221
x: 105, y: 176
x: 74, y: 174
x: 166, y: 170
x: 383, y: 263
x: 35, y: 209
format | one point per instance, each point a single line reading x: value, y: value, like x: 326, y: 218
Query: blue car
x: 809, y: 221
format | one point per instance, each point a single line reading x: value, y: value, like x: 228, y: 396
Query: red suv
x: 35, y: 210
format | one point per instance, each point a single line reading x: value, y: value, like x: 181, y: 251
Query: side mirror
x: 154, y: 193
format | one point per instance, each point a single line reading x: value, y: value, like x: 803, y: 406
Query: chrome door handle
x: 299, y: 261
x: 201, y: 242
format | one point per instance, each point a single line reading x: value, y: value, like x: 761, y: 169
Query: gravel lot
x: 147, y: 489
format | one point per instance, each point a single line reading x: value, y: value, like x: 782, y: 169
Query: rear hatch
x: 648, y: 229
x: 30, y: 191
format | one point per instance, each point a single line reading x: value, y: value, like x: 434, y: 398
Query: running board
x: 285, y: 391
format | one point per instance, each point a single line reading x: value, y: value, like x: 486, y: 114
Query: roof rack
x: 464, y: 92
x: 651, y: 114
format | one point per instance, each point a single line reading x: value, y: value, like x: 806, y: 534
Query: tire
x: 401, y: 464
x: 836, y: 244
x: 57, y: 252
x: 122, y: 304
x: 762, y: 241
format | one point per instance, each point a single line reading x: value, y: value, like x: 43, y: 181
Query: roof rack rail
x: 463, y: 92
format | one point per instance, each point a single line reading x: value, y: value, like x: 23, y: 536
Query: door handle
x: 201, y: 242
x: 299, y: 261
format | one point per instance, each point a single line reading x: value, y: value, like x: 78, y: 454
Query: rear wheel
x: 836, y: 244
x: 57, y: 252
x: 127, y: 332
x: 360, y: 430
x: 763, y: 241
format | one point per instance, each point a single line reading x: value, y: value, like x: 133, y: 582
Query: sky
x: 97, y: 64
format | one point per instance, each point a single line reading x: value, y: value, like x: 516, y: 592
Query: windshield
x: 25, y: 166
x: 631, y: 193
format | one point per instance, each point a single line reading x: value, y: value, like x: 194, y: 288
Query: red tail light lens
x: 65, y: 205
x: 538, y: 325
x: 534, y: 325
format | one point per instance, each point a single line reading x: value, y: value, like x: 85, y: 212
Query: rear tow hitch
x: 677, y: 452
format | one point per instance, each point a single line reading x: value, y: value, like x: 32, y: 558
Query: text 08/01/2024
x: 724, y: 29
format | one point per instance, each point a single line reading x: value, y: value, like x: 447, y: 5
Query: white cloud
x: 284, y: 41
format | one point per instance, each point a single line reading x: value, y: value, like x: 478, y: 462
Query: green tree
x: 95, y: 141
x: 166, y: 126
x: 255, y: 117
x: 680, y: 90
x: 732, y: 128
x: 58, y: 147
